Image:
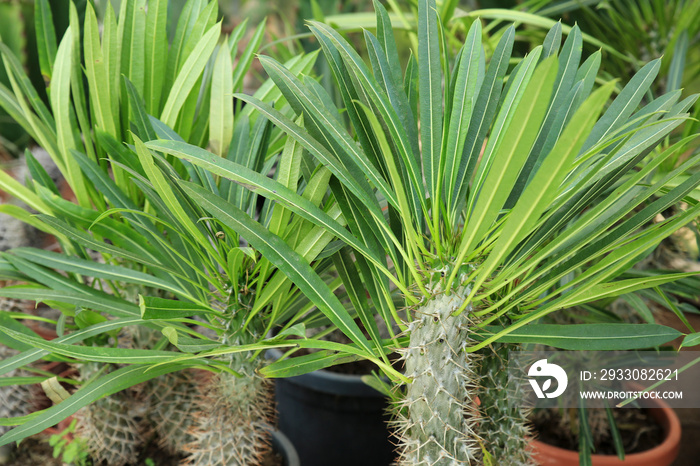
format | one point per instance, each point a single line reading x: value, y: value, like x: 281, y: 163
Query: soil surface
x: 272, y: 459
x: 638, y: 430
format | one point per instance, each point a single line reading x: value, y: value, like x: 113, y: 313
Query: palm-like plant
x: 495, y: 205
x: 196, y: 286
x: 530, y: 208
x: 190, y: 88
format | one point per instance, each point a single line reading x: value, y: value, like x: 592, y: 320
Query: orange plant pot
x: 661, y: 455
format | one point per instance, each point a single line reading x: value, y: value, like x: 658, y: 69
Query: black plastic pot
x: 282, y: 445
x: 334, y: 419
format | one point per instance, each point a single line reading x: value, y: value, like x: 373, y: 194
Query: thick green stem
x: 504, y: 426
x: 437, y: 419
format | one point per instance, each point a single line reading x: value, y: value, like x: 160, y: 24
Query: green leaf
x: 28, y: 96
x: 544, y: 187
x: 176, y: 56
x: 97, y: 72
x: 83, y: 136
x: 156, y: 52
x: 34, y: 354
x: 465, y: 95
x: 187, y: 344
x: 95, y: 353
x: 484, y: 110
x: 617, y: 288
x: 265, y: 186
x: 430, y: 95
x: 536, y: 20
x: 338, y: 141
x: 38, y: 172
x: 300, y: 365
x: 552, y: 41
x: 45, y: 38
x: 298, y: 330
x: 106, y: 303
x: 160, y: 308
x: 93, y: 269
x: 625, y: 103
x: 268, y: 92
x: 691, y: 340
x: 316, y: 149
x: 8, y: 322
x: 564, y: 84
x: 509, y: 157
x: 590, y: 337
x: 221, y: 107
x: 675, y: 72
x: 348, y: 272
x: 88, y: 241
x: 61, y: 104
x: 132, y: 30
x: 111, y: 51
x: 243, y: 63
x: 47, y: 277
x: 189, y: 74
x: 137, y: 111
x: 164, y: 189
x: 381, y: 105
x: 617, y: 438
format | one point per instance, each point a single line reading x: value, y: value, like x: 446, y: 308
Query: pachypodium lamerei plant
x: 484, y: 253
x: 128, y: 199
x: 495, y: 203
x: 195, y: 284
x: 216, y: 303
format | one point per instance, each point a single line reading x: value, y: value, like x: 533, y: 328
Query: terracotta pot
x: 661, y: 455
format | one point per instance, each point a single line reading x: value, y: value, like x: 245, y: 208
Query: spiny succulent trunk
x: 504, y: 425
x: 15, y: 401
x: 111, y: 425
x: 437, y: 419
x: 233, y: 425
x: 174, y: 403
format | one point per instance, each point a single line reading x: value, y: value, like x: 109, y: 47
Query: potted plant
x: 477, y: 259
x: 128, y: 200
x: 494, y: 196
x: 663, y: 454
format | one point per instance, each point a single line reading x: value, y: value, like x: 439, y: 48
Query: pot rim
x: 667, y: 449
x: 284, y: 446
